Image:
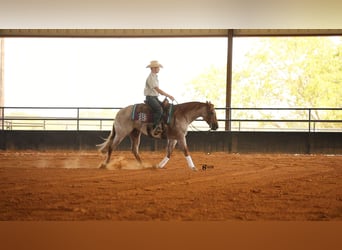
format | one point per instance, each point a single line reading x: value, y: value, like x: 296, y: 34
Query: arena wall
x: 232, y: 142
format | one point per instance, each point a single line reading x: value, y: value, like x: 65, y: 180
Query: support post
x: 229, y: 80
x: 2, y: 69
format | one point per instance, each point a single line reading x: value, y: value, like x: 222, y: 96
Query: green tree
x: 282, y: 72
x: 208, y: 86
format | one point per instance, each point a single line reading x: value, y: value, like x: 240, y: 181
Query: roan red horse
x: 176, y: 129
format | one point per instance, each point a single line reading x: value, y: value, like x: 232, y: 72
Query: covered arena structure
x: 307, y: 142
x: 286, y: 194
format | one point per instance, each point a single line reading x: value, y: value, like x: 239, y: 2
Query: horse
x: 176, y: 130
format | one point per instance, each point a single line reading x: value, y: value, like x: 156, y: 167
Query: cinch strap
x: 133, y: 111
x: 170, y: 114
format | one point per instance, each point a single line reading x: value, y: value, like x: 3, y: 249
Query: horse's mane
x: 186, y: 107
x: 189, y: 105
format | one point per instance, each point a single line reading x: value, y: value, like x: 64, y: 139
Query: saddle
x: 143, y: 112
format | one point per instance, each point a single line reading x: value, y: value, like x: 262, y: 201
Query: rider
x: 152, y: 92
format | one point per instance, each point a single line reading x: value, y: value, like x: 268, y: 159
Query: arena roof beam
x: 287, y: 32
x: 112, y: 32
x: 164, y: 32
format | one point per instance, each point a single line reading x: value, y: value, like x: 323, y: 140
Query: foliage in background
x: 284, y: 72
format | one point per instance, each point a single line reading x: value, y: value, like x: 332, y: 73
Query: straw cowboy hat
x: 154, y: 64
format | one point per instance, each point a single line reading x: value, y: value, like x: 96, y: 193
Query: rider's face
x: 155, y: 69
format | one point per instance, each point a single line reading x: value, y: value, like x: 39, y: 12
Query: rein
x: 194, y: 128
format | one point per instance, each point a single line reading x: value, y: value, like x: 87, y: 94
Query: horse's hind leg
x: 113, y: 146
x: 106, y: 161
x: 135, y: 142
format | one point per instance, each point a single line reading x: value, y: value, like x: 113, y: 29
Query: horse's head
x: 210, y: 116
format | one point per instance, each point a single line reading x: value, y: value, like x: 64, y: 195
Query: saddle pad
x: 143, y: 114
x: 138, y: 114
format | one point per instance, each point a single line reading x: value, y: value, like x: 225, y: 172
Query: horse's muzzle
x: 214, y: 126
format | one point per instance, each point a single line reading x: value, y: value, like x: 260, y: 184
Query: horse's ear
x: 210, y: 105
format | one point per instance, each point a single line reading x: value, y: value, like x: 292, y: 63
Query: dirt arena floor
x: 68, y: 186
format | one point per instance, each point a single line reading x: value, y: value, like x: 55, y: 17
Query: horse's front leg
x: 169, y: 149
x: 183, y: 145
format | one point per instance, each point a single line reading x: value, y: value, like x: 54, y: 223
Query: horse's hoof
x: 194, y: 169
x: 103, y: 166
x: 157, y: 166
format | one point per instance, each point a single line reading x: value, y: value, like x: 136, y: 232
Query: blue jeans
x: 155, y: 104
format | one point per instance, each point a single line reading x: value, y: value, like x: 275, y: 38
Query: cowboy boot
x: 155, y: 132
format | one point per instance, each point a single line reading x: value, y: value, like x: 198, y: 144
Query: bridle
x: 210, y: 114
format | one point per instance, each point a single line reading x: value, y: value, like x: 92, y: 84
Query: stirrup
x: 158, y: 128
x: 155, y: 132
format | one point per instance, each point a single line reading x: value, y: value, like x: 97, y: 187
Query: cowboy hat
x: 154, y: 64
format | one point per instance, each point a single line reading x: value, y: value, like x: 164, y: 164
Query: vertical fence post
x: 309, y: 135
x: 78, y: 119
x: 309, y: 120
x: 2, y: 118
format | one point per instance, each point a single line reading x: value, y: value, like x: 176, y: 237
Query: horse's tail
x: 104, y: 147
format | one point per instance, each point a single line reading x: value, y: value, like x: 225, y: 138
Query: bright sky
x: 102, y: 72
x: 107, y: 72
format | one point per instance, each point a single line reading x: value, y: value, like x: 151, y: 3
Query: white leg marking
x: 163, y: 162
x: 190, y: 162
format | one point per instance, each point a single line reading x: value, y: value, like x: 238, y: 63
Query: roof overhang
x: 164, y: 32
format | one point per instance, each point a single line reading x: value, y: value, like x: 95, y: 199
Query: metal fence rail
x: 241, y: 119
